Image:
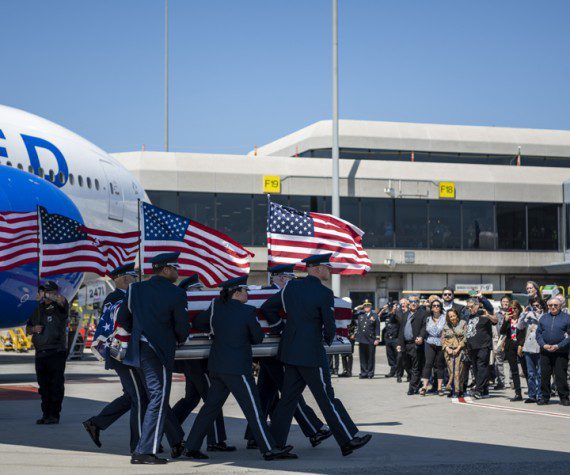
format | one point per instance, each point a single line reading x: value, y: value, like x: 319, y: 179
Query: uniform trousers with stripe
x: 197, y: 387
x: 133, y: 399
x: 245, y: 392
x: 158, y: 417
x: 296, y: 379
x: 270, y: 384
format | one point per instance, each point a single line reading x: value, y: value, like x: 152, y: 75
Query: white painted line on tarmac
x: 468, y: 401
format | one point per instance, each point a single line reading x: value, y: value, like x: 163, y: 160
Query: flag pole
x: 267, y: 232
x: 335, y: 142
x: 140, y: 238
x: 38, y: 234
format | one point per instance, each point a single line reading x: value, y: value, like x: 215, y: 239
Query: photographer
x: 479, y: 336
x: 48, y: 327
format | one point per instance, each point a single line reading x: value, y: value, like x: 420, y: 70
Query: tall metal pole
x: 335, y: 162
x: 166, y: 77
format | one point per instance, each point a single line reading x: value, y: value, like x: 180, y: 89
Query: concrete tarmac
x: 411, y: 434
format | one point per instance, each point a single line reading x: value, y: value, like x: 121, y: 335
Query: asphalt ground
x: 411, y: 434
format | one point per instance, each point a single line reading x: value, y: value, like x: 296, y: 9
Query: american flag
x: 105, y: 329
x: 214, y: 256
x: 67, y: 246
x: 18, y: 239
x: 293, y: 235
x: 119, y: 248
x: 199, y: 301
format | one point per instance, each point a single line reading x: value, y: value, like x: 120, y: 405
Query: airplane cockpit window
x: 80, y: 180
x: 20, y: 166
x: 41, y: 172
x: 51, y: 176
x: 61, y: 177
x: 96, y: 184
x: 71, y: 179
x: 88, y: 182
x: 31, y: 169
x: 9, y: 164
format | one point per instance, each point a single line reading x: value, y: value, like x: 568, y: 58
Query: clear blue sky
x: 247, y: 72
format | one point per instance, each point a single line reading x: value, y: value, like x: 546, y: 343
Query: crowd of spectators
x: 445, y: 348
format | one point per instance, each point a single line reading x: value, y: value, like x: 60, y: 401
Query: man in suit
x: 411, y: 341
x: 154, y: 312
x: 133, y: 398
x: 197, y: 386
x: 448, y: 296
x: 309, y: 306
x: 234, y: 328
x: 271, y: 376
x: 368, y: 337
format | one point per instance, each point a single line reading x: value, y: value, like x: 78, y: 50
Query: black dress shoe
x: 41, y: 421
x: 147, y: 459
x: 354, y: 444
x: 389, y: 375
x: 411, y: 392
x: 565, y: 402
x: 221, y: 447
x: 517, y: 398
x: 530, y: 401
x: 399, y: 379
x: 93, y: 431
x: 252, y: 444
x: 51, y: 420
x: 319, y: 437
x: 370, y: 376
x: 177, y: 450
x: 362, y: 376
x: 345, y: 375
x: 499, y: 386
x: 543, y: 402
x: 279, y: 454
x: 195, y: 455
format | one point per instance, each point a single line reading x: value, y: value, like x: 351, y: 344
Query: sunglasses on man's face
x: 447, y: 294
x: 414, y: 302
x: 554, y: 305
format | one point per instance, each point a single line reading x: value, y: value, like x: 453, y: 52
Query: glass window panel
x: 542, y: 226
x: 300, y: 203
x: 234, y: 216
x: 350, y: 210
x: 377, y: 219
x: 444, y: 225
x: 511, y: 226
x: 167, y: 200
x: 411, y: 224
x: 260, y: 219
x: 198, y: 206
x: 478, y: 225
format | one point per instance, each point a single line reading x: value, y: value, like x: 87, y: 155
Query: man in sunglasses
x: 411, y: 341
x: 553, y: 337
x: 448, y: 295
x: 154, y: 313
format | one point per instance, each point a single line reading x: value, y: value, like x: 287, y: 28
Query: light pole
x: 335, y: 152
x: 166, y: 77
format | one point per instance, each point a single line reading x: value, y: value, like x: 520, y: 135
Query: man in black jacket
x: 390, y: 317
x: 368, y: 337
x: 48, y: 327
x: 411, y: 342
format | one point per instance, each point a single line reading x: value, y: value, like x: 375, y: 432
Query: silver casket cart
x: 197, y: 345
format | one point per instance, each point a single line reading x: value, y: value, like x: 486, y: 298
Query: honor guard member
x: 133, y: 398
x: 48, y: 327
x: 197, y: 385
x: 233, y: 327
x: 270, y: 379
x: 368, y: 337
x: 310, y: 317
x: 154, y: 312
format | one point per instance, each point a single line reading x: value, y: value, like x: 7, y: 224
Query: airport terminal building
x: 440, y: 204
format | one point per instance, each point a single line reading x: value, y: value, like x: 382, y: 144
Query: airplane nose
x: 22, y: 191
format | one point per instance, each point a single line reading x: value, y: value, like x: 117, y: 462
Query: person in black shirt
x: 48, y: 327
x: 389, y: 315
x: 479, y: 335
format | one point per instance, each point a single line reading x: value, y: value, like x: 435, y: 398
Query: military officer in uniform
x: 348, y: 359
x: 134, y: 397
x: 368, y: 337
x: 270, y: 379
x: 48, y: 327
x: 197, y: 386
x: 234, y: 328
x: 154, y: 312
x: 310, y: 316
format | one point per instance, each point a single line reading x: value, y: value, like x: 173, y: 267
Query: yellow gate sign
x: 271, y: 184
x: 447, y: 189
